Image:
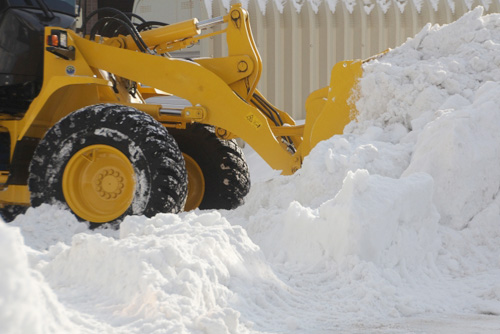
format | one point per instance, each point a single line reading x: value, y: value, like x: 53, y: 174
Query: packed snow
x: 393, y: 227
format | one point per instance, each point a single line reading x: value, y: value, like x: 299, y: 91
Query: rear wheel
x: 196, y: 183
x: 108, y: 161
x: 219, y: 165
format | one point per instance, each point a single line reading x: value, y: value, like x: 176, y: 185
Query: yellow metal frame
x: 220, y: 91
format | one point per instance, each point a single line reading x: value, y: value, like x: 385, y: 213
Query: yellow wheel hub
x: 196, y: 184
x: 99, y: 183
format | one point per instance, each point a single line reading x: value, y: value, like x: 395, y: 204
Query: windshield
x: 63, y: 6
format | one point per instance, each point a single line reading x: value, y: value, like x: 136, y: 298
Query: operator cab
x: 22, y: 24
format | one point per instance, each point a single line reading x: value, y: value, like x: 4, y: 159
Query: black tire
x: 10, y: 212
x: 152, y: 152
x: 227, y: 179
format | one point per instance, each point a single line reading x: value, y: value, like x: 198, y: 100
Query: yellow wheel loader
x: 76, y: 127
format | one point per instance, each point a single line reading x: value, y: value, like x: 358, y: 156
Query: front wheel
x: 108, y: 161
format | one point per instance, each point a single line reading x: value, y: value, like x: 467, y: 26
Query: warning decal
x: 254, y: 120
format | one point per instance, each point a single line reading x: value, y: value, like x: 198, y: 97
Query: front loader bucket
x: 330, y: 109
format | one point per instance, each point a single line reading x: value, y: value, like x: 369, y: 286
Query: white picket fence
x: 299, y: 49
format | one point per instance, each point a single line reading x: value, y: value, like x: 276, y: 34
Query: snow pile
x: 27, y: 303
x: 445, y: 90
x: 19, y: 286
x: 374, y: 218
x: 392, y: 227
x: 166, y: 273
